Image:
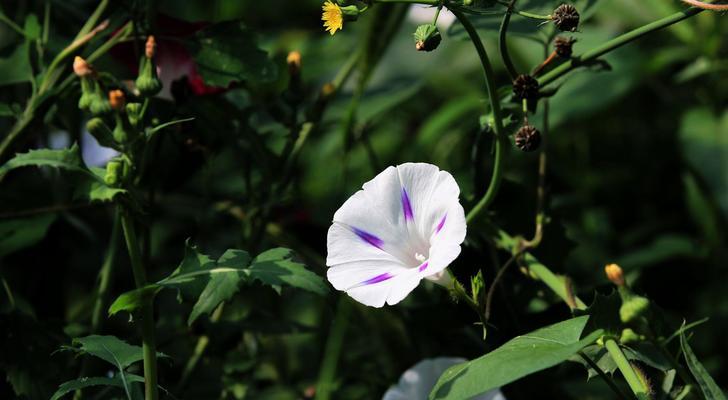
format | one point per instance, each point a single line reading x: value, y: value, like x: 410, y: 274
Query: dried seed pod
x: 117, y: 99
x: 81, y: 68
x: 294, y: 63
x: 525, y: 87
x: 615, y: 274
x: 150, y: 47
x: 563, y: 46
x: 528, y: 138
x: 566, y: 18
x: 427, y: 37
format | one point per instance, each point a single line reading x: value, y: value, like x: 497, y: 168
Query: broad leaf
x: 16, y: 67
x: 110, y: 349
x: 226, y: 52
x: 81, y: 383
x: 521, y: 356
x: 215, y: 281
x: 710, y: 389
x: 19, y: 233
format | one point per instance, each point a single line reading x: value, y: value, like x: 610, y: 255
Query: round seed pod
x: 528, y: 138
x: 525, y: 87
x: 563, y: 46
x: 566, y: 18
x: 427, y: 37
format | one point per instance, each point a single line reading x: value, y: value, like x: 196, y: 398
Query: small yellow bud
x: 117, y: 100
x: 294, y: 63
x: 615, y: 274
x: 81, y: 68
x: 151, y: 47
x: 327, y: 90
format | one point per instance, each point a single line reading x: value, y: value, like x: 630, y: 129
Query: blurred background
x: 637, y: 174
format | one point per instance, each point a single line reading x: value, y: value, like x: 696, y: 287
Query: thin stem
x: 105, y: 277
x: 497, y: 119
x: 616, y: 43
x: 12, y: 24
x: 202, y: 343
x: 496, y: 281
x: 334, y: 343
x: 149, y: 346
x: 707, y: 6
x: 607, y: 379
x: 502, y: 45
x: 634, y: 381
x: 91, y: 21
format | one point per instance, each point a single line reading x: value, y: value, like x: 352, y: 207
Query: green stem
x: 634, y: 381
x: 607, y: 379
x: 502, y: 45
x: 105, y: 277
x: 93, y: 19
x: 149, y: 346
x: 616, y: 43
x: 11, y: 24
x: 557, y: 284
x: 497, y: 119
x: 334, y: 343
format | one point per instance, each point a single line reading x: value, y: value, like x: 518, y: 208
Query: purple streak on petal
x: 423, y: 266
x: 378, y: 278
x: 369, y: 238
x: 406, y: 206
x: 441, y: 224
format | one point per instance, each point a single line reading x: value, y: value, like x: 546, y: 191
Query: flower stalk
x: 634, y: 381
x: 149, y: 345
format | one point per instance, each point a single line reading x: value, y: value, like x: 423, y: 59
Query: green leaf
x: 96, y: 189
x: 519, y: 357
x: 604, y: 313
x: 227, y: 52
x: 68, y: 159
x: 32, y: 27
x: 643, y: 352
x: 16, y: 67
x: 275, y: 268
x: 81, y: 383
x: 710, y: 389
x: 19, y: 233
x: 213, y: 282
x: 110, y: 349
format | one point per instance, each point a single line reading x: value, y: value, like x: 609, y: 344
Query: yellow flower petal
x: 332, y: 17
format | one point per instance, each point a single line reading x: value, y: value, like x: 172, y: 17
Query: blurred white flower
x: 417, y: 382
x: 93, y: 154
x: 406, y: 224
x: 420, y: 14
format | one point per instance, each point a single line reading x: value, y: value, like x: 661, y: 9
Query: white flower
x: 417, y: 382
x: 406, y: 224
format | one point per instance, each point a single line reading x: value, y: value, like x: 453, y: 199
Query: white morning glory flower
x: 417, y: 382
x: 404, y: 225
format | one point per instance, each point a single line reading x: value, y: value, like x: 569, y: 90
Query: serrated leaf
x: 226, y: 52
x: 110, y: 349
x: 521, y: 356
x: 710, y: 389
x: 132, y: 300
x: 222, y: 286
x: 604, y: 313
x: 68, y: 159
x: 81, y: 383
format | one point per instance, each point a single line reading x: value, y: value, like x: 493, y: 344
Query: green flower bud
x: 350, y: 13
x: 134, y: 111
x: 123, y: 132
x: 114, y: 172
x: 99, y: 103
x: 633, y: 308
x: 630, y: 336
x: 87, y: 93
x: 98, y: 128
x: 147, y: 82
x: 427, y: 37
x: 477, y: 287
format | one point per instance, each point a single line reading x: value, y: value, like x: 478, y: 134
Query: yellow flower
x: 333, y: 17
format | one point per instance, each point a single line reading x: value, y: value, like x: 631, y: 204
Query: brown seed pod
x: 151, y: 47
x: 566, y: 18
x: 82, y: 68
x: 525, y: 87
x: 528, y: 138
x: 117, y: 99
x: 563, y: 46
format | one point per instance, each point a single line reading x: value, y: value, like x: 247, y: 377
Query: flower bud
x: 114, y: 172
x: 615, y: 274
x: 99, y: 103
x: 148, y: 82
x: 150, y: 48
x: 477, y: 287
x: 123, y: 132
x: 528, y: 138
x: 633, y: 308
x: 81, y: 68
x: 87, y: 93
x: 294, y: 63
x: 630, y: 336
x: 350, y: 12
x: 98, y: 128
x: 566, y: 18
x: 117, y: 100
x: 525, y: 87
x: 563, y: 46
x: 134, y: 112
x: 427, y: 37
